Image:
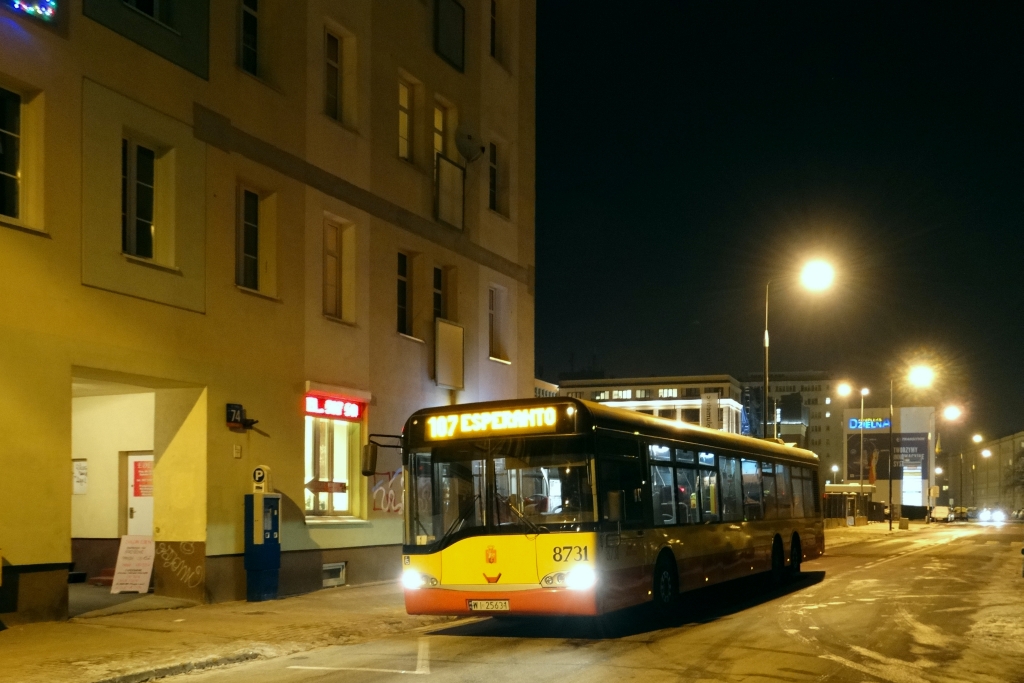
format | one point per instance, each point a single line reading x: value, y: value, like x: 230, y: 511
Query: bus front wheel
x: 666, y: 580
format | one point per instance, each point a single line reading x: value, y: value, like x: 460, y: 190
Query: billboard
x: 911, y: 451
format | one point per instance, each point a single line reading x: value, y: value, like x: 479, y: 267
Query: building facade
x: 248, y: 233
x: 674, y: 398
x: 974, y: 479
x: 824, y: 420
x: 908, y: 464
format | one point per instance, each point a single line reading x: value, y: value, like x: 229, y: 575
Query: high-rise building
x: 244, y: 233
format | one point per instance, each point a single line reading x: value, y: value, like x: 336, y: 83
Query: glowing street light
x: 844, y: 389
x: 952, y: 413
x: 986, y: 453
x: 938, y: 470
x: 921, y: 376
x: 976, y: 438
x: 817, y: 275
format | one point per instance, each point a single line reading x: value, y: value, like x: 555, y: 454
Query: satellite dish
x: 468, y: 144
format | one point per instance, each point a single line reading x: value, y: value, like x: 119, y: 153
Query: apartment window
x: 601, y: 395
x: 248, y: 249
x: 493, y: 321
x: 250, y: 36
x: 494, y: 28
x: 668, y: 393
x: 404, y: 295
x: 692, y: 392
x: 339, y: 270
x: 332, y: 79
x: 440, y: 129
x: 643, y: 393
x: 439, y: 294
x: 137, y: 194
x: 492, y: 186
x: 622, y: 394
x: 10, y: 153
x: 450, y: 32
x: 404, y: 119
x: 161, y: 10
x: 332, y: 448
x: 574, y: 394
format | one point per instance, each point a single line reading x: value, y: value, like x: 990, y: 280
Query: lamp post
x: 863, y: 392
x: 919, y: 376
x: 816, y: 276
x: 835, y: 471
x: 977, y: 438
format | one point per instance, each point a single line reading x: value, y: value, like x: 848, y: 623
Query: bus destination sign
x: 520, y: 421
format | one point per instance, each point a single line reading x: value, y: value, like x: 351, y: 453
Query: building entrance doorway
x: 139, y: 494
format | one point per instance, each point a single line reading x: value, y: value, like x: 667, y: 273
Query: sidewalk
x: 141, y: 645
x: 840, y: 536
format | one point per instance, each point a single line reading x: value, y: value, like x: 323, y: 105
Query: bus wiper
x: 463, y: 513
x: 531, y: 525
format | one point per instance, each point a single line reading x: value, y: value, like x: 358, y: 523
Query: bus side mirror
x: 613, y: 506
x: 369, y: 459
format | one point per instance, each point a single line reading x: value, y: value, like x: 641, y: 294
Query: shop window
x: 332, y: 450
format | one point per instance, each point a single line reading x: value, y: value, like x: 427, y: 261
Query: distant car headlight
x: 998, y: 516
x: 985, y: 515
x: 412, y: 580
x: 581, y: 577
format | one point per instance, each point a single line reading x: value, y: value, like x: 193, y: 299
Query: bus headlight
x: 581, y: 577
x: 412, y: 580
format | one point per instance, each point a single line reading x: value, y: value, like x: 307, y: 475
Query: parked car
x: 940, y: 513
x: 960, y: 513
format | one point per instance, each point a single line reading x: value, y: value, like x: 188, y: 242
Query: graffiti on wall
x: 188, y: 570
x: 387, y: 491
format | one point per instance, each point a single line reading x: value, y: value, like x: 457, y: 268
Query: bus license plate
x: 488, y: 605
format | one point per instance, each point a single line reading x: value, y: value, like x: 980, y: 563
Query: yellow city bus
x: 565, y: 507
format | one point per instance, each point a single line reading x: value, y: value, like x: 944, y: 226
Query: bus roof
x: 596, y: 415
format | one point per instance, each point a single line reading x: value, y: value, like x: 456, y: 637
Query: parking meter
x: 262, y: 538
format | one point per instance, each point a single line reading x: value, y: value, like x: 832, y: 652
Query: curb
x: 184, y: 667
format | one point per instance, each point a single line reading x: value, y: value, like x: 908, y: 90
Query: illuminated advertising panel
x: 911, y: 452
x: 539, y: 420
x: 333, y: 407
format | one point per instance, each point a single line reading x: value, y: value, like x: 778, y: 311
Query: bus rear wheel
x: 666, y: 588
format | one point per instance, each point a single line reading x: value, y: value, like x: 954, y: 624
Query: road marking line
x: 422, y: 664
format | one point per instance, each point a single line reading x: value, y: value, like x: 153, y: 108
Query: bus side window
x: 662, y: 495
x: 784, y: 491
x: 709, y: 495
x: 686, y: 495
x: 798, y: 491
x: 768, y: 487
x: 752, y: 490
x: 732, y: 493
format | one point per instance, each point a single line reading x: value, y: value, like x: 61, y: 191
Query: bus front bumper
x: 529, y: 602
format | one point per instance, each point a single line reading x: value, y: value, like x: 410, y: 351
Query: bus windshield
x: 514, y: 485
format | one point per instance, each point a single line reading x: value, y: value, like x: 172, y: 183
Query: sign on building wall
x: 911, y: 452
x: 709, y: 415
x: 143, y: 479
x: 79, y: 476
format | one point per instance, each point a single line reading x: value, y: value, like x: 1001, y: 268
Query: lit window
x: 622, y: 394
x: 250, y: 37
x: 668, y: 393
x: 404, y: 120
x: 332, y: 447
x: 643, y: 393
x: 10, y: 153
x: 137, y: 199
x: 601, y: 395
x: 828, y: 400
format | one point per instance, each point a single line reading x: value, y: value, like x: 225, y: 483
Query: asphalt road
x: 946, y: 604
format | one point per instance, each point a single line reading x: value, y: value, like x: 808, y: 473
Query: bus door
x: 621, y: 489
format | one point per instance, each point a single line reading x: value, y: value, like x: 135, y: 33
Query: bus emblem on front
x: 491, y: 555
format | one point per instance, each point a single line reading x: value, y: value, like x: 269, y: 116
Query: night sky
x: 688, y: 152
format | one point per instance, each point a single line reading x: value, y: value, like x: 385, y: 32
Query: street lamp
x: 835, y: 472
x: 919, y: 376
x: 863, y: 392
x: 817, y: 275
x: 844, y: 389
x: 952, y: 413
x: 976, y: 438
x: 938, y: 470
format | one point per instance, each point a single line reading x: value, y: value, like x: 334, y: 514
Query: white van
x: 941, y: 513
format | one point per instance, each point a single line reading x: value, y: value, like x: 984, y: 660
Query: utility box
x: 262, y: 545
